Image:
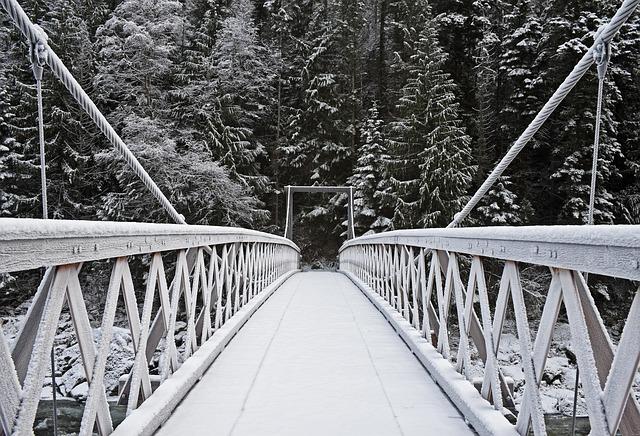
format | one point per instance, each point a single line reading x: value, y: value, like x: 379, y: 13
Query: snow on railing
x: 408, y: 274
x: 221, y: 276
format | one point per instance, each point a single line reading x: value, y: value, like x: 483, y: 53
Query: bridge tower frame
x: 290, y: 190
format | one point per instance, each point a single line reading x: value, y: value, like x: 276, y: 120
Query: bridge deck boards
x: 317, y: 358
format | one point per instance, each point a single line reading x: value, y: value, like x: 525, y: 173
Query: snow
x: 558, y: 378
x: 620, y: 235
x: 154, y: 411
x: 81, y: 391
x: 68, y: 360
x: 27, y: 228
x: 317, y: 358
x: 484, y: 418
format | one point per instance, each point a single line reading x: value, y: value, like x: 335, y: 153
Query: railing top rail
x: 33, y: 243
x: 611, y: 250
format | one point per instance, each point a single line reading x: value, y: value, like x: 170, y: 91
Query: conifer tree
x: 19, y: 146
x: 136, y: 50
x: 244, y: 82
x: 317, y: 125
x: 517, y: 65
x: 199, y: 188
x: 367, y: 179
x: 430, y: 164
x: 501, y: 206
x: 570, y: 133
x: 12, y: 170
x: 623, y: 70
x: 488, y: 87
x: 71, y: 135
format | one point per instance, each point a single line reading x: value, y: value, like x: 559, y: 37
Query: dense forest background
x: 412, y: 102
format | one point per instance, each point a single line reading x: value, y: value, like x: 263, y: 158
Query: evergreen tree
x: 488, y: 88
x: 518, y: 68
x: 244, y: 81
x: 430, y: 166
x: 318, y: 128
x: 570, y: 131
x: 137, y: 47
x: 407, y: 20
x: 271, y: 94
x: 350, y: 36
x: 623, y: 70
x: 501, y: 206
x: 517, y: 63
x: 460, y: 28
x: 71, y: 136
x: 69, y: 133
x: 199, y: 188
x: 19, y: 159
x: 367, y: 179
x: 155, y: 44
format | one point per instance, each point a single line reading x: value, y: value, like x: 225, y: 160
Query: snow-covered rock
x: 81, y: 391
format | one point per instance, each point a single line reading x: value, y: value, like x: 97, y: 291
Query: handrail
x: 414, y: 277
x: 607, y: 250
x: 81, y: 241
x: 220, y: 277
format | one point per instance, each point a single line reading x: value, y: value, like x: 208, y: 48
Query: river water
x: 70, y: 416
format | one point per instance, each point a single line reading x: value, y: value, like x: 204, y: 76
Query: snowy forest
x: 411, y: 102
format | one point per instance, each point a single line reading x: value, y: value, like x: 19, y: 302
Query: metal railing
x: 221, y: 275
x: 416, y: 275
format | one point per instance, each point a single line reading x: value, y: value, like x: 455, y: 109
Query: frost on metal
x: 228, y: 277
x: 479, y: 412
x: 381, y: 267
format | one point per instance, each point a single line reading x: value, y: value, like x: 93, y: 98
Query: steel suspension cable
x: 604, y: 35
x: 596, y: 146
x: 37, y: 36
x: 601, y: 56
x: 43, y: 163
x: 35, y: 51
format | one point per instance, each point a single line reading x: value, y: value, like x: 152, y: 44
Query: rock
x: 570, y: 356
x: 565, y: 400
x: 514, y: 372
x: 70, y: 379
x: 69, y: 362
x: 81, y: 391
x: 549, y: 404
x: 554, y: 370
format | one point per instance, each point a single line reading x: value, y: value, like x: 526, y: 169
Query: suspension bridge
x: 383, y: 345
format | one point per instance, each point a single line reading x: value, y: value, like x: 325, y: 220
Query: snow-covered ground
x: 70, y: 379
x: 559, y: 377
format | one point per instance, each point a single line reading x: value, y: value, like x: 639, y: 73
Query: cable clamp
x: 601, y: 56
x: 39, y: 52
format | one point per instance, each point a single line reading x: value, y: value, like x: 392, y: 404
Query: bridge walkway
x: 316, y: 359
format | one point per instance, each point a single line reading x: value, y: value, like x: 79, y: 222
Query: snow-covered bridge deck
x: 316, y: 358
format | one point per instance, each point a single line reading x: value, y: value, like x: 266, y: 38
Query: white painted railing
x: 221, y: 276
x: 408, y: 274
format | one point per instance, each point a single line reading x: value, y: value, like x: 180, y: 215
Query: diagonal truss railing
x: 414, y: 277
x: 221, y: 276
